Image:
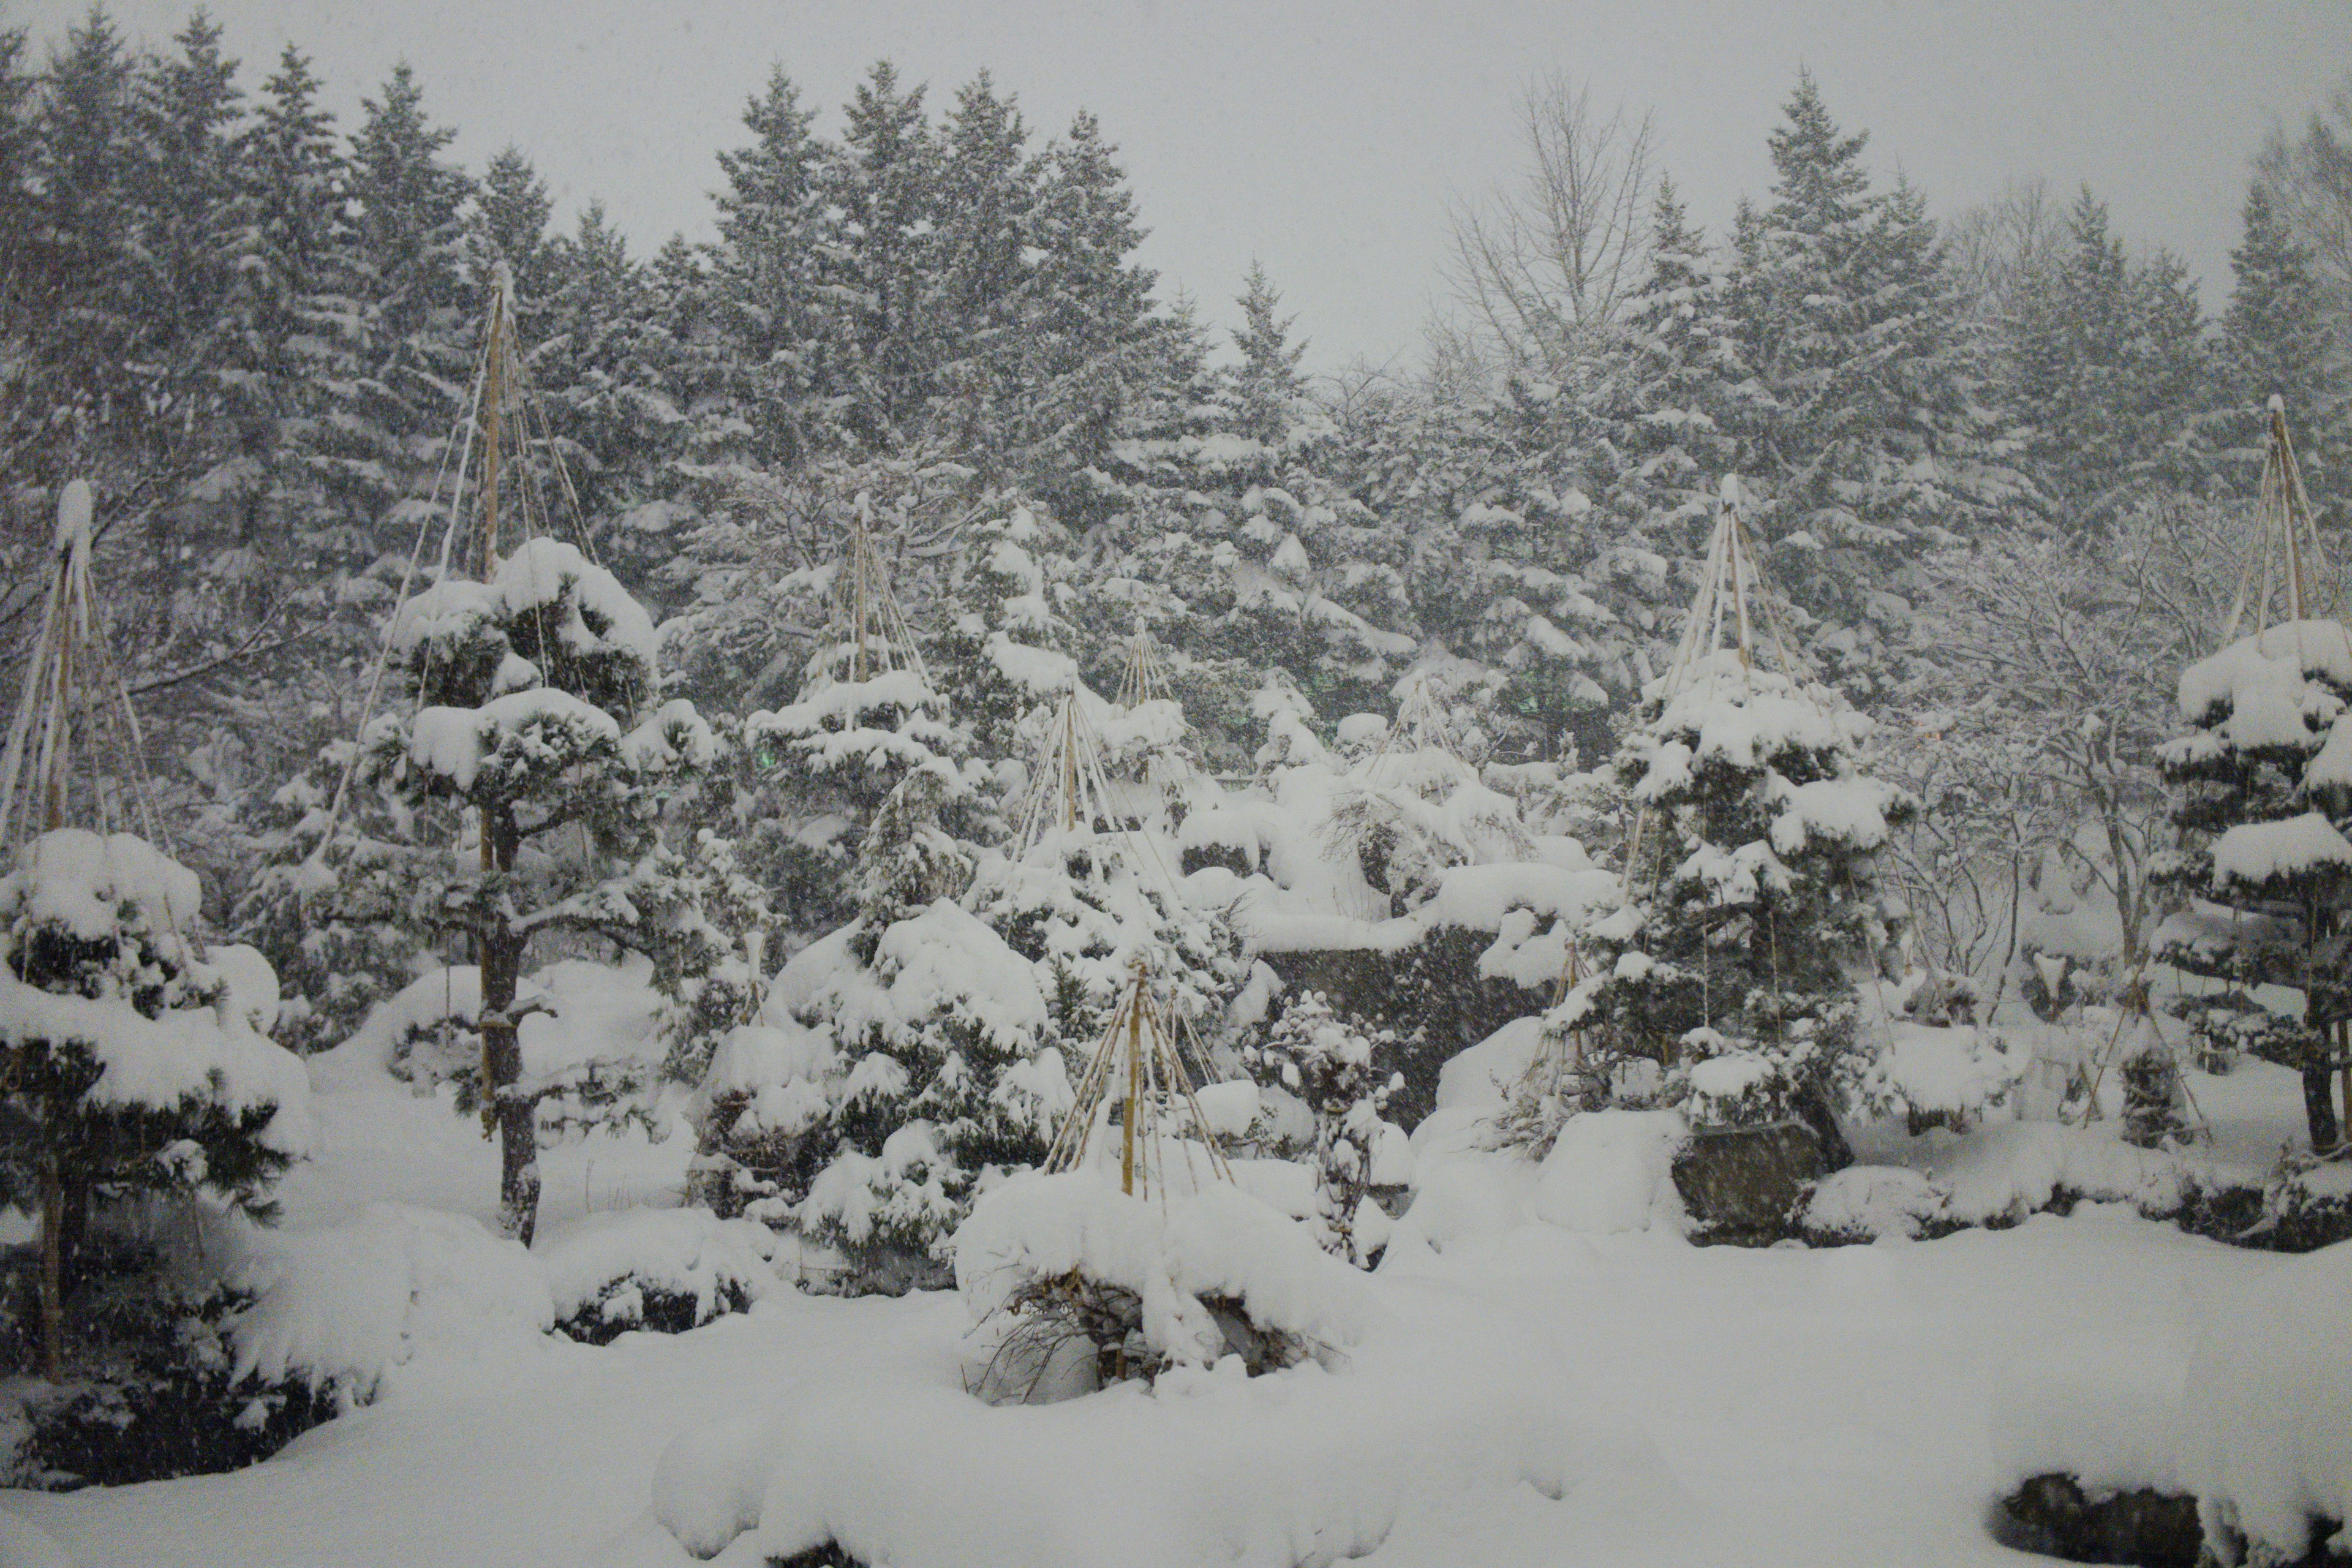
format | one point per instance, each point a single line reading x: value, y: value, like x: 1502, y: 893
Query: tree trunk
x: 500, y: 952
x: 2319, y: 1108
x: 53, y: 1299
x: 1812, y: 1108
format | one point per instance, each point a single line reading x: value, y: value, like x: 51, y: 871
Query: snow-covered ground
x: 1527, y: 1395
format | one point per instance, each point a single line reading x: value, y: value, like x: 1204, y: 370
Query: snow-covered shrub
x: 1613, y: 1170
x: 1326, y: 1062
x: 131, y: 1069
x: 1865, y: 1203
x: 2262, y: 784
x: 397, y: 1298
x: 156, y: 1392
x: 665, y: 1271
x: 1942, y: 1077
x: 2249, y: 1411
x: 1081, y: 902
x: 897, y: 1063
x: 1051, y: 1263
x: 1752, y: 907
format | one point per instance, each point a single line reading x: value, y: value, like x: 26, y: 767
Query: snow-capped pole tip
x: 1729, y: 489
x: 75, y: 506
x: 2278, y: 404
x: 502, y: 277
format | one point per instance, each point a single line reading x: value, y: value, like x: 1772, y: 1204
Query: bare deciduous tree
x: 1546, y: 260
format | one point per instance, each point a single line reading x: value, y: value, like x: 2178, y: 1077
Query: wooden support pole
x: 1134, y: 1087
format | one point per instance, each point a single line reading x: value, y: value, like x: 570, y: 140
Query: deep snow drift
x: 1522, y: 1392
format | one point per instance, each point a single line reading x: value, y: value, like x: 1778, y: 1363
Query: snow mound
x: 1217, y: 1242
x: 2252, y: 1414
x: 2269, y: 1394
x: 1949, y: 1075
x: 2104, y: 1406
x: 1874, y: 1202
x: 1482, y: 1077
x: 606, y: 1263
x: 397, y: 1298
x: 1302, y: 1466
x: 1612, y: 1171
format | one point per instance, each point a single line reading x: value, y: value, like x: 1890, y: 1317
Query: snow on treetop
x: 543, y: 575
x: 1851, y: 811
x: 98, y: 888
x: 188, y: 1055
x: 938, y: 961
x: 452, y: 742
x: 1041, y: 672
x: 2255, y: 855
x: 94, y: 885
x: 74, y: 509
x: 2268, y: 673
x: 1746, y: 716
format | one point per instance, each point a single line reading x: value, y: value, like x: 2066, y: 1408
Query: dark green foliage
x: 152, y: 1397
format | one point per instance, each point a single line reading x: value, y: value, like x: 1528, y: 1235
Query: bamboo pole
x: 1134, y: 1086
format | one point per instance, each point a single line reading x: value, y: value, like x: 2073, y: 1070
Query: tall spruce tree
x: 1872, y: 444
x: 2278, y: 340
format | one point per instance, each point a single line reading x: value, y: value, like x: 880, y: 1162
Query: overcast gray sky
x: 1326, y: 139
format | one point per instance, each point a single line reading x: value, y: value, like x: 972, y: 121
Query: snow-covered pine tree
x: 290, y: 218
x: 1005, y: 647
x: 902, y: 1061
x: 1080, y: 893
x: 1090, y: 345
x: 394, y: 397
x: 1670, y: 412
x: 612, y: 403
x: 867, y: 716
x: 2105, y: 355
x: 981, y: 283
x: 2264, y: 782
x: 536, y: 729
x: 133, y: 1070
x: 131, y: 1067
x: 2278, y: 339
x: 1325, y: 1061
x: 1751, y: 911
x: 880, y: 186
x: 1871, y: 442
x: 757, y: 402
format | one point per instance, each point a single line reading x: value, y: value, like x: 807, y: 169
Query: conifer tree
x: 984, y: 284
x: 1872, y: 444
x: 511, y: 210
x: 1091, y: 350
x: 1326, y: 1062
x: 880, y: 185
x: 767, y: 290
x: 2278, y: 340
x: 2262, y: 785
x: 904, y: 1060
x: 536, y: 729
x: 1751, y: 909
x: 403, y: 315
